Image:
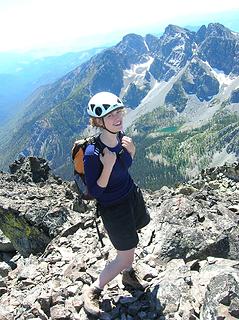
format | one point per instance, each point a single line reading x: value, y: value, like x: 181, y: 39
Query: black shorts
x: 122, y: 220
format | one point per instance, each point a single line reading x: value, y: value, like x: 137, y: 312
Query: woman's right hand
x: 108, y: 158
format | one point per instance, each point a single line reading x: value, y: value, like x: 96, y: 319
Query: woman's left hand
x: 128, y: 144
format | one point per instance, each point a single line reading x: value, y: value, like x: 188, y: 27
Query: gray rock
x: 188, y: 253
x: 222, y: 297
x: 5, y: 244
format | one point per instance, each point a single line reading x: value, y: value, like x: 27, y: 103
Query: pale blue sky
x: 63, y: 24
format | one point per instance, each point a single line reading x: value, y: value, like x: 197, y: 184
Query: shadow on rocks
x: 139, y: 305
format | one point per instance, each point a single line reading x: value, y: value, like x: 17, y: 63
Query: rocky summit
x: 49, y: 249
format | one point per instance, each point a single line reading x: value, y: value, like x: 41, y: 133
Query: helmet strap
x: 108, y: 129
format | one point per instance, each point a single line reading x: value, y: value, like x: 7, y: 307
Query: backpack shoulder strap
x: 99, y: 144
x: 121, y: 134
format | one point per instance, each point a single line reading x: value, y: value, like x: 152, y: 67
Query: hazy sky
x: 35, y: 24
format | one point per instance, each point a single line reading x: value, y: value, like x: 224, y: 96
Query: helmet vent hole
x: 98, y: 111
x: 106, y: 106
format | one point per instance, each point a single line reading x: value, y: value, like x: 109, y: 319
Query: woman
x: 119, y: 200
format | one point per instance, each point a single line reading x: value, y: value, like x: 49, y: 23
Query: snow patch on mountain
x: 177, y: 55
x: 226, y: 90
x: 147, y: 47
x: 155, y: 98
x: 197, y: 113
x: 222, y: 78
x: 228, y: 83
x: 135, y: 74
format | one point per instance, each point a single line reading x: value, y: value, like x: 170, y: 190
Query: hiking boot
x: 91, y: 300
x: 132, y: 279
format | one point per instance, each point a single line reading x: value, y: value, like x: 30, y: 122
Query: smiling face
x: 114, y: 120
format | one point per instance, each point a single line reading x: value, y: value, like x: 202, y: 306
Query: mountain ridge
x: 22, y: 74
x: 147, y: 72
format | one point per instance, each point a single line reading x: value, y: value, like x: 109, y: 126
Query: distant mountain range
x: 21, y: 74
x: 182, y: 90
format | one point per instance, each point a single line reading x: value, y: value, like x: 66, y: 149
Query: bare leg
x: 123, y: 260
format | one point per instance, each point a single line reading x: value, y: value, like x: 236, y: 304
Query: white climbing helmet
x: 103, y: 103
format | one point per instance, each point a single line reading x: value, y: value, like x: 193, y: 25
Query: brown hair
x: 94, y: 122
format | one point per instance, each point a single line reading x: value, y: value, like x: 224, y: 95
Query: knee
x: 128, y: 262
x: 125, y: 259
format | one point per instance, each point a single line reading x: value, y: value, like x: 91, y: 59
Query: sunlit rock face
x: 188, y: 254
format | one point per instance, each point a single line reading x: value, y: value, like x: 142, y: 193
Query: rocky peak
x: 131, y: 42
x: 219, y: 48
x: 218, y: 30
x: 173, y: 29
x: 176, y: 48
x: 175, y: 37
x: 132, y: 48
x: 201, y: 34
x: 188, y: 253
x: 131, y: 39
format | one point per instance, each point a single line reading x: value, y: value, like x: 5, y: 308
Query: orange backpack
x: 77, y: 154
